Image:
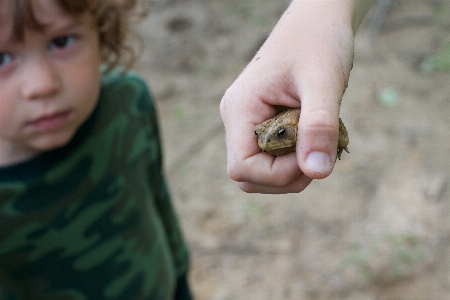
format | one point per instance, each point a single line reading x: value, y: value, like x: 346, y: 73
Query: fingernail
x: 318, y: 162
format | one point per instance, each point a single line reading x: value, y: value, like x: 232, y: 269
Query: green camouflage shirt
x: 93, y: 220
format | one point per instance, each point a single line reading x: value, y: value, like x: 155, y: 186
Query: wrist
x: 351, y: 12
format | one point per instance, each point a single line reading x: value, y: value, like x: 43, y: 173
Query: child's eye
x: 5, y: 58
x: 62, y: 42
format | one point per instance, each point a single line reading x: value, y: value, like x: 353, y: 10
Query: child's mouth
x: 50, y: 122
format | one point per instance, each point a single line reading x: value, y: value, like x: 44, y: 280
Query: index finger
x: 245, y: 160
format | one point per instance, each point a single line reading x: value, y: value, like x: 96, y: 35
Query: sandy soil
x: 377, y: 228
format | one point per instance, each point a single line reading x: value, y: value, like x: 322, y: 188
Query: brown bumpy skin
x: 278, y: 135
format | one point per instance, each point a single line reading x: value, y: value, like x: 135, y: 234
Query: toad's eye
x: 281, y: 132
x: 62, y: 42
x: 256, y: 133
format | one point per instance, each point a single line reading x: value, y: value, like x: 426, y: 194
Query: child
x: 84, y: 208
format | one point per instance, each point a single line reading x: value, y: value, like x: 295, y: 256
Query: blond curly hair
x: 113, y: 19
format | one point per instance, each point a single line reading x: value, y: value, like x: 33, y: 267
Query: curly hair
x: 113, y: 19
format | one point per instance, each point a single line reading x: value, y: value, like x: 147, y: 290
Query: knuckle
x: 247, y: 187
x: 235, y: 172
x: 280, y: 181
x: 322, y: 123
x: 322, y: 119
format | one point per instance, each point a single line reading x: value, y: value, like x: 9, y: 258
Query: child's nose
x: 41, y: 79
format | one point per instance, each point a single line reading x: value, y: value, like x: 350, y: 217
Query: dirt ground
x: 377, y: 228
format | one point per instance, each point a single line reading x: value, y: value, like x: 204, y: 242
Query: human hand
x: 305, y: 63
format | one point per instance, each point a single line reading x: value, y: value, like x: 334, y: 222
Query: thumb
x: 319, y: 128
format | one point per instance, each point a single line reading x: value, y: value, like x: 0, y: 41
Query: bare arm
x: 305, y: 63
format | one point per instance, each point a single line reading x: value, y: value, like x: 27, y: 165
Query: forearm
x: 352, y: 11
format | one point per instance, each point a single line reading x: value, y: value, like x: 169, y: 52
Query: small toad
x: 278, y: 135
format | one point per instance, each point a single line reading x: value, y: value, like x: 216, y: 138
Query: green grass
x: 439, y: 61
x: 405, y: 253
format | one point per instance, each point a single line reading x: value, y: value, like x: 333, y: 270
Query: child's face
x: 49, y: 81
